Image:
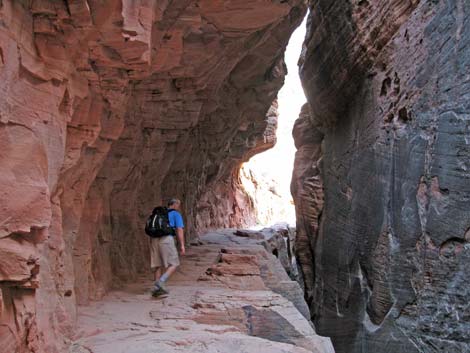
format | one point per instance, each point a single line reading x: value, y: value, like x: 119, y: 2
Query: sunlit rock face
x: 107, y: 108
x: 271, y: 206
x: 267, y: 204
x: 388, y: 84
x: 232, y: 202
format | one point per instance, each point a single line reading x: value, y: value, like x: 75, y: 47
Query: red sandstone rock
x: 18, y: 261
x: 106, y: 108
x: 234, y: 258
x: 233, y: 270
x: 219, y: 315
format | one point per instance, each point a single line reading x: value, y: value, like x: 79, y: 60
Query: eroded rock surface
x: 388, y: 85
x: 220, y: 300
x: 266, y: 191
x: 279, y: 240
x: 307, y: 191
x: 106, y: 108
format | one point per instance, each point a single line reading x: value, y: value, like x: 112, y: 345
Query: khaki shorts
x: 163, y: 252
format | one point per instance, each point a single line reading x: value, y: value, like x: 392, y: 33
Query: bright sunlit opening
x: 272, y: 170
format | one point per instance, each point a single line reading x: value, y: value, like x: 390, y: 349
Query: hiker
x: 163, y: 252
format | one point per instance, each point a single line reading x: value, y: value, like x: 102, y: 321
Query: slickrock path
x: 229, y: 295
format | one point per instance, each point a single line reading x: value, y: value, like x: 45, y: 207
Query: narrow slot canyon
x: 110, y: 108
x: 266, y: 177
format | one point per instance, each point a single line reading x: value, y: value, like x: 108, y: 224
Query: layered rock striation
x: 307, y: 191
x: 107, y: 108
x: 389, y: 240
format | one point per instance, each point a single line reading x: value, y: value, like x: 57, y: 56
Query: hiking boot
x: 161, y: 285
x: 159, y: 289
x: 158, y: 292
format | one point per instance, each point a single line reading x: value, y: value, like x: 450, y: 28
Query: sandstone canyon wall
x: 307, y: 190
x: 106, y: 108
x: 382, y: 183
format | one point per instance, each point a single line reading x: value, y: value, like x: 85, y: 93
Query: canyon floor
x: 229, y: 295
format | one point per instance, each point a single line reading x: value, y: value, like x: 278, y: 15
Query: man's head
x: 174, y: 204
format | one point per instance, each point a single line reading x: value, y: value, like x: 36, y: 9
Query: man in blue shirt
x: 163, y: 253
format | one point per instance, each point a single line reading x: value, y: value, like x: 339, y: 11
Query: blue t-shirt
x: 175, y: 218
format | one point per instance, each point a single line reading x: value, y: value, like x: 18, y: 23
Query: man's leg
x: 158, y: 273
x: 160, y: 288
x: 170, y: 270
x: 156, y: 262
x: 170, y: 258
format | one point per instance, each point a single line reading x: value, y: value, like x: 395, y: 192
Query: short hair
x: 173, y: 202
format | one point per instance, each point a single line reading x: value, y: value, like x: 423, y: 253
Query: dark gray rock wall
x: 307, y: 191
x: 389, y: 82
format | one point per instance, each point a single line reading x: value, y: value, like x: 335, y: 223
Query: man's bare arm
x: 180, y: 235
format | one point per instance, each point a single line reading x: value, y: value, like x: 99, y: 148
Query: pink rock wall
x: 106, y: 108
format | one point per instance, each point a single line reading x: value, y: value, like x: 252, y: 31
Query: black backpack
x: 158, y: 223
